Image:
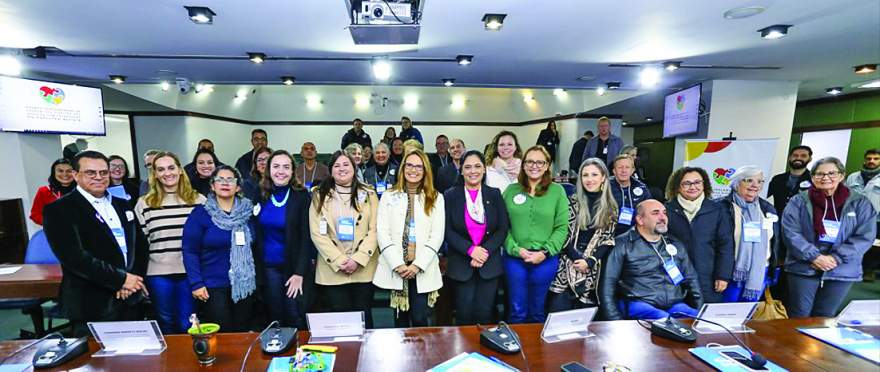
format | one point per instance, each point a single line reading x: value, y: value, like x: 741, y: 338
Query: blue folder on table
x: 713, y: 357
x: 847, y: 339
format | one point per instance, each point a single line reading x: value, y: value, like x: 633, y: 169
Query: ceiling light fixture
x: 381, y: 68
x: 834, y: 91
x: 866, y: 68
x: 613, y: 85
x: 744, y: 12
x: 204, y: 88
x: 493, y: 21
x: 649, y: 77
x: 165, y: 85
x: 648, y: 118
x: 671, y: 65
x: 118, y: 79
x: 201, y: 15
x: 775, y: 31
x: 288, y: 80
x: 623, y: 123
x: 257, y: 57
x: 600, y: 91
x: 870, y: 84
x: 559, y: 92
x: 448, y: 82
x: 9, y: 66
x: 464, y: 60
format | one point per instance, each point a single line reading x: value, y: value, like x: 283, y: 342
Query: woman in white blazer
x: 411, y: 222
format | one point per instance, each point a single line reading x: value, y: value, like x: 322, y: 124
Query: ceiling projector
x: 385, y: 22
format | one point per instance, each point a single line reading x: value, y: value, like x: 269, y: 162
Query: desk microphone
x: 756, y: 360
x: 51, y: 355
x: 672, y: 329
x: 259, y: 337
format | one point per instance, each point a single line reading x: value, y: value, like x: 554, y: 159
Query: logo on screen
x: 679, y: 102
x: 52, y: 95
x: 721, y: 176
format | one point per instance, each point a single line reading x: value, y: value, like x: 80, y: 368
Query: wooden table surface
x: 31, y: 281
x: 417, y: 349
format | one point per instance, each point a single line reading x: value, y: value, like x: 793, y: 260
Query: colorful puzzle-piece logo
x: 722, y: 176
x: 679, y: 102
x: 52, y: 95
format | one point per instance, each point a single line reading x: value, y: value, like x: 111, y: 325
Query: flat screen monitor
x: 44, y: 107
x: 681, y: 112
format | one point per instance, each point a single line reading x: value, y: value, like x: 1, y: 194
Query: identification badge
x: 308, y: 186
x: 362, y: 197
x: 673, y: 271
x: 412, y: 231
x: 752, y: 232
x: 381, y: 187
x: 671, y: 249
x: 805, y: 184
x: 519, y: 199
x: 392, y: 171
x: 322, y: 226
x: 239, y: 238
x: 257, y: 209
x: 637, y: 191
x: 626, y: 216
x: 831, y: 229
x: 345, y: 229
x: 605, y: 150
x: 129, y: 215
x: 119, y: 235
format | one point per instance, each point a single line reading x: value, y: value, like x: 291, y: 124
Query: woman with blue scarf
x: 756, y: 236
x: 218, y: 255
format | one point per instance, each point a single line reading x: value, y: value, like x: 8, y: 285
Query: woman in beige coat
x: 342, y: 220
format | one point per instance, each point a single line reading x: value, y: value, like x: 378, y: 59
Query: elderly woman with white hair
x: 756, y: 236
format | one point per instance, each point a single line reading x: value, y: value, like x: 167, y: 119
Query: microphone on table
x: 755, y: 361
x: 244, y: 361
x: 51, y: 355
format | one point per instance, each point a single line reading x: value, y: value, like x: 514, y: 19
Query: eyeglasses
x: 755, y: 181
x: 535, y: 163
x: 117, y: 166
x: 416, y: 167
x: 688, y: 184
x: 831, y: 175
x: 226, y: 180
x: 262, y: 160
x: 96, y: 174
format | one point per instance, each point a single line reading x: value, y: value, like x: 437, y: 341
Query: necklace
x: 283, y: 202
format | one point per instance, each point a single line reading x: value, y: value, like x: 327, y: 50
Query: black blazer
x: 93, y: 266
x: 497, y: 225
x: 300, y: 250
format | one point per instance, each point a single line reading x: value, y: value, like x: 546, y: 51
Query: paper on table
x: 15, y: 367
x: 9, y: 270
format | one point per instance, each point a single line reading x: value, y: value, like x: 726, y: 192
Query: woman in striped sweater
x: 162, y: 213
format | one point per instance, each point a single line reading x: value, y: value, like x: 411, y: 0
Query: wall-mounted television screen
x: 44, y: 107
x: 681, y: 112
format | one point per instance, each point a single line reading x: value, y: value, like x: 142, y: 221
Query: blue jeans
x: 173, y: 301
x: 278, y: 306
x: 734, y: 291
x: 644, y: 310
x: 528, y: 285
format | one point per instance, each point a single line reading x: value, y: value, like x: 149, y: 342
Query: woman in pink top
x: 476, y: 227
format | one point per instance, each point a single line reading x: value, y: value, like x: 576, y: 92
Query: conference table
x: 418, y: 349
x: 31, y: 281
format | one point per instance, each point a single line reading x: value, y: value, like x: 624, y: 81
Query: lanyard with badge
x: 114, y: 225
x: 308, y: 184
x: 832, y: 227
x: 671, y: 268
x: 626, y: 213
x: 382, y: 185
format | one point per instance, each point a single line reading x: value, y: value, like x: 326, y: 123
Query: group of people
x: 270, y: 239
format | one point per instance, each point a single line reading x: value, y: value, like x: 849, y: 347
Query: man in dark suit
x: 102, y: 250
x: 245, y: 162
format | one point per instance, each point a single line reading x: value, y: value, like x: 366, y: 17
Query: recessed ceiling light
x: 165, y: 85
x: 866, y: 68
x: 671, y: 65
x: 613, y: 85
x: 464, y: 60
x: 648, y: 118
x: 600, y: 91
x: 448, y: 82
x: 118, y: 79
x: 649, y: 77
x: 834, y: 91
x: 775, y: 31
x: 493, y: 22
x: 257, y: 57
x: 559, y: 92
x: 9, y: 66
x: 624, y: 123
x: 744, y: 12
x: 204, y: 88
x: 870, y: 84
x: 381, y: 68
x: 201, y: 15
x: 288, y: 80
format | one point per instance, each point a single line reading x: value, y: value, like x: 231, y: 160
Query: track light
x: 866, y: 69
x: 613, y: 85
x: 288, y: 80
x: 381, y: 68
x: 834, y: 91
x: 774, y: 32
x: 448, y: 82
x: 600, y: 91
x: 9, y: 66
x: 464, y: 60
x: 672, y: 65
x: 118, y: 79
x: 493, y: 22
x: 257, y: 57
x: 165, y: 85
x: 649, y: 77
x: 201, y: 15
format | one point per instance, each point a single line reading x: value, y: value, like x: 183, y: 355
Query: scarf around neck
x: 242, y: 272
x: 751, y: 256
x: 475, y: 207
x: 691, y: 208
x: 826, y: 207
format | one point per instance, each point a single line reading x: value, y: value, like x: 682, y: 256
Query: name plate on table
x: 336, y: 327
x: 127, y: 338
x: 568, y: 325
x: 860, y: 313
x: 733, y: 315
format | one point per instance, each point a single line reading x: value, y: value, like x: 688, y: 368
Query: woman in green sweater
x: 538, y: 210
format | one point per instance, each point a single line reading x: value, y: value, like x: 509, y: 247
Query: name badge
x: 671, y: 249
x: 605, y: 150
x: 805, y: 184
x: 322, y: 226
x: 381, y: 187
x: 752, y: 232
x: 257, y: 209
x: 362, y: 197
x: 129, y: 215
x: 519, y: 199
x: 831, y: 229
x: 119, y: 234
x: 626, y: 216
x: 345, y: 229
x: 412, y: 230
x: 637, y: 191
x: 308, y: 186
x: 673, y: 272
x: 239, y: 238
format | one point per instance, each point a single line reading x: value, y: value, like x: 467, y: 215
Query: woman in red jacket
x: 60, y: 183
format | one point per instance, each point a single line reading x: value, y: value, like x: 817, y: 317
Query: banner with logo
x: 722, y: 158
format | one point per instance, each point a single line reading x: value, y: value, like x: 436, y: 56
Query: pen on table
x: 501, y: 362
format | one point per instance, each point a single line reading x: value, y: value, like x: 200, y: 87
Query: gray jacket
x: 856, y: 234
x: 615, y: 144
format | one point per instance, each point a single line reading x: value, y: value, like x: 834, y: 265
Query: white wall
x: 25, y: 160
x: 117, y: 141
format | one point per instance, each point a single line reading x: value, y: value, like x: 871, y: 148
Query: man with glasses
x: 245, y: 162
x: 148, y: 164
x: 785, y: 185
x: 102, y: 250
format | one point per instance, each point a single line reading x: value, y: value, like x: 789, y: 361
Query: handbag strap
x: 768, y: 298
